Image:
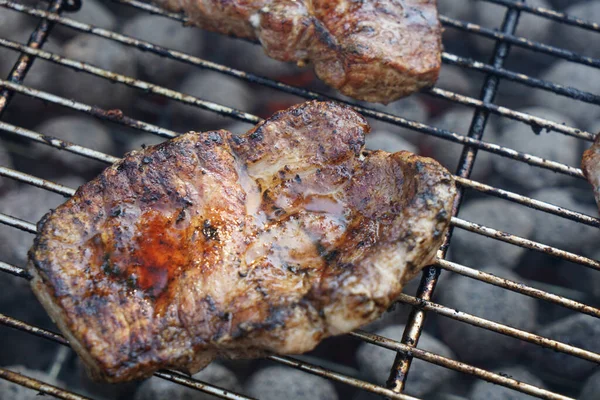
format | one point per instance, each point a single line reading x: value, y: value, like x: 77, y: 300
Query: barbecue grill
x: 494, y: 73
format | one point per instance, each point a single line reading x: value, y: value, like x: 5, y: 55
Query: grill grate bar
x: 195, y: 61
x: 455, y: 222
x: 460, y: 269
x: 205, y: 387
x: 459, y: 366
x: 36, y: 40
x: 467, y: 183
x: 521, y: 42
x: 517, y: 287
x: 39, y: 386
x: 383, y: 342
x: 429, y: 280
x: 441, y: 133
x: 550, y: 14
x: 500, y: 328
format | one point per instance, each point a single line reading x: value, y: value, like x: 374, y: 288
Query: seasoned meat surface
x: 213, y: 245
x: 591, y: 167
x: 372, y: 50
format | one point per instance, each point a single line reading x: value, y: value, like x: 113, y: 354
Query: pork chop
x: 372, y: 50
x: 591, y: 167
x: 214, y: 245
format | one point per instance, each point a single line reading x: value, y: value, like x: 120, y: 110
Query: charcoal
x: 448, y: 153
x: 476, y: 345
x: 411, y: 108
x: 167, y: 33
x: 390, y: 142
x: 94, y: 90
x: 483, y: 390
x: 81, y: 130
x: 567, y: 73
x: 574, y: 38
x: 459, y: 10
x: 561, y: 232
x: 214, y: 374
x: 591, y: 388
x: 278, y: 382
x: 140, y: 140
x: 456, y: 79
x: 13, y: 391
x: 531, y: 26
x: 472, y: 249
x: 239, y: 127
x: 5, y: 161
x: 375, y: 362
x: 578, y: 330
x: 214, y: 87
x: 548, y: 145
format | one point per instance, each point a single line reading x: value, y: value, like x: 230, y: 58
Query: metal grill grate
x: 472, y: 143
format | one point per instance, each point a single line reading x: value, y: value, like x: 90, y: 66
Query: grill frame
x: 471, y: 144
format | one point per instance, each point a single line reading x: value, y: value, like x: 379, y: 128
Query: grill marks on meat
x: 591, y: 167
x: 211, y: 245
x: 372, y: 50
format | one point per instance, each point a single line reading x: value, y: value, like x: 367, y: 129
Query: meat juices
x: 371, y: 50
x: 214, y: 245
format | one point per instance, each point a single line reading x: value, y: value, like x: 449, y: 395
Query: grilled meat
x: 213, y: 245
x: 372, y: 50
x: 591, y: 167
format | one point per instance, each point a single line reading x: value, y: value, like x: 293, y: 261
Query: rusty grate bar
x: 36, y: 40
x: 416, y: 319
x: 39, y: 386
x: 196, y: 61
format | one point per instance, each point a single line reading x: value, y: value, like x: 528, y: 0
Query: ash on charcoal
x: 455, y: 79
x: 92, y: 12
x: 5, y: 161
x: 387, y: 141
x: 448, y: 153
x: 552, y: 146
x: 30, y: 204
x: 576, y: 39
x: 215, y: 374
x: 483, y: 390
x: 476, y: 345
x: 94, y: 90
x: 531, y: 26
x: 214, y: 87
x: 80, y: 130
x: 472, y: 249
x: 375, y: 362
x: 411, y: 108
x: 459, y: 10
x: 167, y: 33
x: 239, y: 128
x: 578, y: 330
x: 277, y: 382
x: 573, y: 75
x: 591, y: 388
x: 560, y: 232
x: 13, y: 391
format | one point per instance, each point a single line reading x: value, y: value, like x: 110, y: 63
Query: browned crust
x: 215, y: 304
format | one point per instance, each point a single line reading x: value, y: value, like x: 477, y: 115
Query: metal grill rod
x: 177, y: 377
x: 456, y: 222
x: 370, y: 338
x: 549, y: 14
x: 521, y: 42
x: 37, y: 39
x: 537, y: 122
x: 450, y: 266
x: 39, y: 386
x: 438, y: 132
x: 447, y: 312
x: 416, y: 319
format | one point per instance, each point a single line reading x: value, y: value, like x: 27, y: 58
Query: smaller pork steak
x: 372, y: 50
x: 211, y: 245
x: 591, y: 167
